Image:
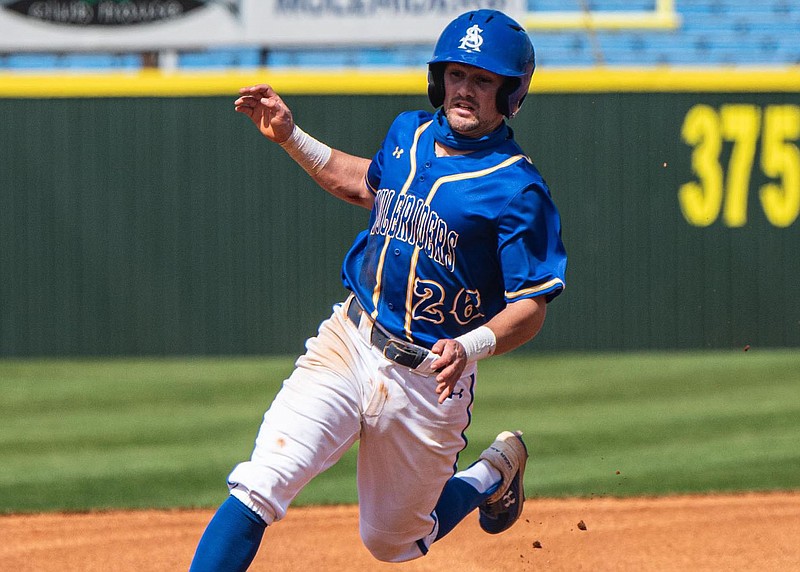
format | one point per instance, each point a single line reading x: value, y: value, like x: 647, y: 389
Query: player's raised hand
x: 267, y: 111
x: 450, y: 364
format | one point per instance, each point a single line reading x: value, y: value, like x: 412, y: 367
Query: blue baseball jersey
x: 452, y: 240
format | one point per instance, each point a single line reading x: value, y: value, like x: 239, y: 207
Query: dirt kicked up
x: 686, y: 533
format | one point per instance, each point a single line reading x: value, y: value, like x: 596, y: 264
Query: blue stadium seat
x: 33, y: 61
x: 100, y: 61
x: 221, y: 58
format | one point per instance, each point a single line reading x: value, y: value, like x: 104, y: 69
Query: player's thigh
x: 312, y: 421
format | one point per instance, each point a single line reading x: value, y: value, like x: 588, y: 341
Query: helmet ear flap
x: 512, y: 93
x: 436, y: 84
x: 510, y: 85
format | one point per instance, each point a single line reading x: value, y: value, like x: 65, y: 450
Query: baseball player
x: 461, y: 255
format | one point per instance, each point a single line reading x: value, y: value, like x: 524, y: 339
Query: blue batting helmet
x: 490, y: 40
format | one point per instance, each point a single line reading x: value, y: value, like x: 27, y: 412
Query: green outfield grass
x: 91, y: 434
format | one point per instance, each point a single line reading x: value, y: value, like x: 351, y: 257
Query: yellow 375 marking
x: 718, y: 192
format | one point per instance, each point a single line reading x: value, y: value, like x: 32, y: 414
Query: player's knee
x: 382, y: 548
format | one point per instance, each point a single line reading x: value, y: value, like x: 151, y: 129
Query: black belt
x: 399, y: 351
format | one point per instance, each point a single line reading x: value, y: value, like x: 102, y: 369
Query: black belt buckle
x: 404, y: 354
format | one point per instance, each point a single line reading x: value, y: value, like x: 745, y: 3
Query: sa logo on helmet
x: 473, y: 40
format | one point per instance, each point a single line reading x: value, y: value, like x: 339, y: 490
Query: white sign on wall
x: 76, y: 25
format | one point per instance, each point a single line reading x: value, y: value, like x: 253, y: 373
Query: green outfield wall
x: 149, y: 218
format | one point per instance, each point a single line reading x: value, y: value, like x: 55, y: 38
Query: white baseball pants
x: 343, y: 390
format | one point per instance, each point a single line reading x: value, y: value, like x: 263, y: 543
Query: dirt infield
x: 725, y: 532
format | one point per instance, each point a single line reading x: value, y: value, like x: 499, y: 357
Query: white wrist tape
x: 309, y: 153
x: 479, y: 343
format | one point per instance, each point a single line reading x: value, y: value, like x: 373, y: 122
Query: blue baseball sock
x: 231, y: 539
x: 459, y: 498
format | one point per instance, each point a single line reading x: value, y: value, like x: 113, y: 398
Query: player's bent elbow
x: 351, y: 193
x: 358, y: 196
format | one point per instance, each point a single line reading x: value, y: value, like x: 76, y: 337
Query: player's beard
x: 470, y: 122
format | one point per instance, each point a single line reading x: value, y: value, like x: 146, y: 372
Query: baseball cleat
x: 503, y: 508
